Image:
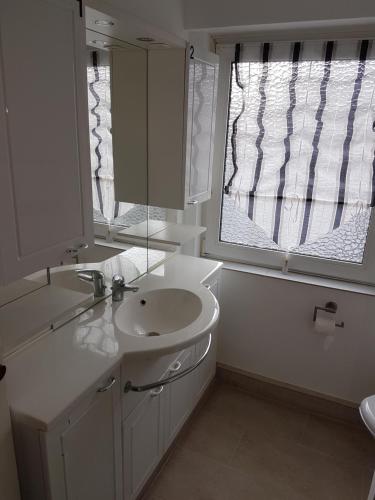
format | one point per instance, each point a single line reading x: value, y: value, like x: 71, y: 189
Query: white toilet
x: 367, y: 411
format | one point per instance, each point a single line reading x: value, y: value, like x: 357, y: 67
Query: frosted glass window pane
x: 299, y: 166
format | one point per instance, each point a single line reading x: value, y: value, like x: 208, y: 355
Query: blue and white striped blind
x: 300, y: 158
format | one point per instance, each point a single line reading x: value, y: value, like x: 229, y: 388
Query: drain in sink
x: 152, y: 334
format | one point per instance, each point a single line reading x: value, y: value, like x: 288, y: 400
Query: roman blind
x: 105, y: 208
x: 299, y: 163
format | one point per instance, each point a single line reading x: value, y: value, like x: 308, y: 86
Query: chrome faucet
x: 119, y: 287
x: 96, y: 278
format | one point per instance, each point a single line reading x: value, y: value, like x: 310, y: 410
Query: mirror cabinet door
x: 117, y: 106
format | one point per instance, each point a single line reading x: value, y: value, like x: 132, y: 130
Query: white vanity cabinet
x: 80, y: 457
x: 143, y: 420
x: 179, y: 396
x: 93, y: 427
x: 45, y: 188
x: 152, y: 419
x: 142, y: 442
x: 181, y: 120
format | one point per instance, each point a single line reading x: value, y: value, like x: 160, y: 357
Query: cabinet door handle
x: 3, y: 370
x: 156, y: 392
x: 71, y: 251
x: 75, y: 250
x: 142, y: 388
x: 175, y: 367
x: 192, y: 202
x: 110, y: 384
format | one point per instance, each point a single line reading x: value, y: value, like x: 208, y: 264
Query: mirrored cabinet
x: 97, y: 134
x: 117, y: 111
x: 45, y: 189
x: 181, y: 121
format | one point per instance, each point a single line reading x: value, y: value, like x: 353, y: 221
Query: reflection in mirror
x: 109, y: 146
x: 97, y: 332
x: 117, y: 106
x: 22, y: 287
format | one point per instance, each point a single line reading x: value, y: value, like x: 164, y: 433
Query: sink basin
x: 158, y: 312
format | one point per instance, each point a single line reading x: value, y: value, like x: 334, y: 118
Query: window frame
x: 359, y: 273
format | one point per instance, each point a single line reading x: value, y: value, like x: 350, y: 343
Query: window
x: 299, y: 164
x: 106, y: 209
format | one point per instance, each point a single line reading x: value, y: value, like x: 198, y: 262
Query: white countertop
x: 27, y: 316
x: 47, y: 377
x: 170, y: 233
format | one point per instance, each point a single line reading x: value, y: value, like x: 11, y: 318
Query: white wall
x: 266, y: 328
x: 266, y: 325
x: 201, y: 14
x: 165, y: 14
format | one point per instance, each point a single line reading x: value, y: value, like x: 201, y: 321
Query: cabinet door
x: 178, y: 397
x: 167, y: 110
x: 142, y: 442
x: 45, y: 189
x: 91, y: 448
x: 181, y: 122
x: 202, y: 93
x: 206, y: 371
x: 8, y: 472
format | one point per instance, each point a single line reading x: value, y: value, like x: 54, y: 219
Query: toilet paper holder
x: 330, y: 307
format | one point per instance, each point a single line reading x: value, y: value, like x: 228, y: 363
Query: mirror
x: 117, y: 107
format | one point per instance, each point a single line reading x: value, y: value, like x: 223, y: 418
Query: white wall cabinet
x: 181, y: 121
x: 45, y: 189
x: 80, y: 457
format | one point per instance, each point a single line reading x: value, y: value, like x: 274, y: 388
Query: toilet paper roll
x: 325, y: 322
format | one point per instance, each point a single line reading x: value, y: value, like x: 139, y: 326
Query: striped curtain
x: 106, y: 209
x: 300, y: 162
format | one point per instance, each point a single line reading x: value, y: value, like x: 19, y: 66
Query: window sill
x: 298, y: 278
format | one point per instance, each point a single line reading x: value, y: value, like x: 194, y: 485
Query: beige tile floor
x: 241, y: 448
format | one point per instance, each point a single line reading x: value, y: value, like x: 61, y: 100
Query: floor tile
x: 231, y: 403
x: 305, y: 473
x: 187, y: 476
x: 255, y: 416
x: 367, y: 476
x: 234, y: 484
x: 328, y: 478
x: 151, y: 496
x: 242, y: 448
x: 344, y: 441
x: 212, y: 436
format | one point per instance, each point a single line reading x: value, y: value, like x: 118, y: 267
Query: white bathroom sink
x: 158, y: 312
x: 164, y: 318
